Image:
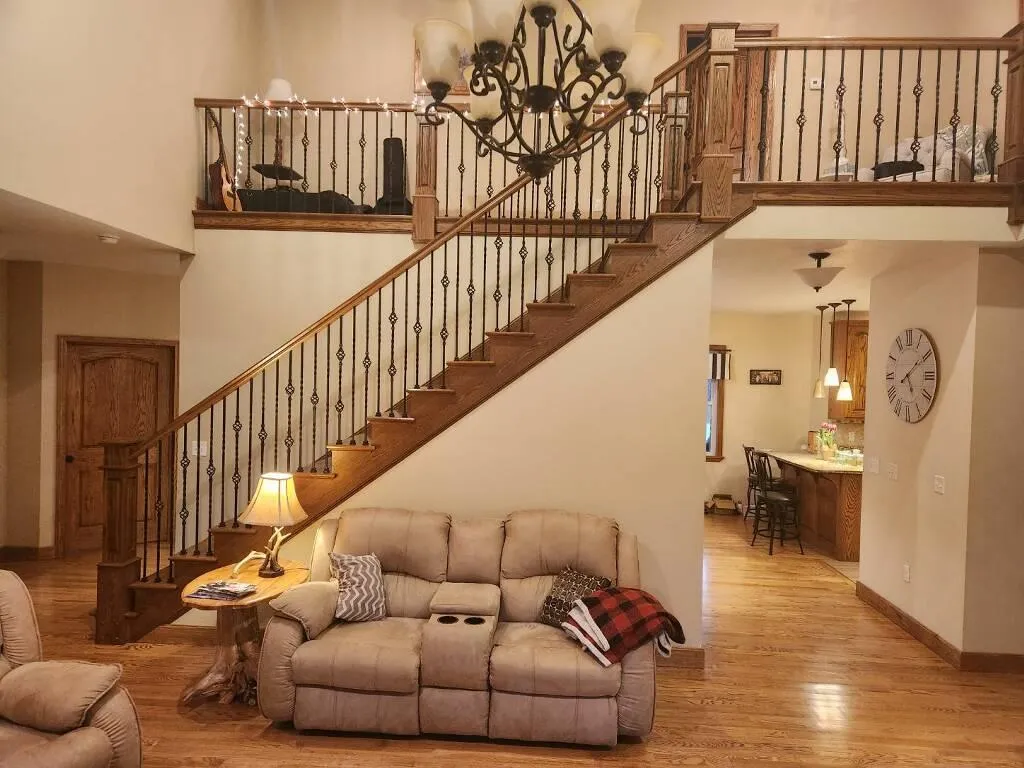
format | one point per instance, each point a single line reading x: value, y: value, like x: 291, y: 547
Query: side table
x: 233, y: 673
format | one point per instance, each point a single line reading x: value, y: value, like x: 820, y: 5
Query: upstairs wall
x: 103, y: 124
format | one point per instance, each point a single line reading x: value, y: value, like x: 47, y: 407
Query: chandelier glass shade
x: 536, y: 71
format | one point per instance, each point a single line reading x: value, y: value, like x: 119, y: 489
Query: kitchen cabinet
x: 855, y: 371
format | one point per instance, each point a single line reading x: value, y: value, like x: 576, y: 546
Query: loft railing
x: 871, y: 109
x: 357, y: 363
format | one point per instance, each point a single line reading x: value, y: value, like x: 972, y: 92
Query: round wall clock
x: 912, y: 375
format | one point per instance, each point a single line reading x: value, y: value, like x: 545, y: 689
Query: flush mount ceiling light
x: 538, y: 70
x: 817, y: 277
x: 109, y: 239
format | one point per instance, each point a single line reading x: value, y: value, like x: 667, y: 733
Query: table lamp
x: 273, y: 505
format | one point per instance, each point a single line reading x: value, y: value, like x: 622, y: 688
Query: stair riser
x: 420, y: 402
x: 582, y: 295
x: 460, y: 379
x: 382, y: 433
x: 622, y: 261
x: 344, y: 461
x: 502, y: 351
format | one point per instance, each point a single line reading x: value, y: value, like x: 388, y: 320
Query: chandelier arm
x: 641, y: 124
x: 522, y: 65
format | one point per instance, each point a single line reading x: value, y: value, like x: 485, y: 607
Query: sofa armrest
x: 466, y: 599
x: 311, y: 604
x: 275, y: 681
x: 19, y: 632
x: 636, y: 694
x: 55, y: 696
x: 81, y: 748
x: 115, y: 714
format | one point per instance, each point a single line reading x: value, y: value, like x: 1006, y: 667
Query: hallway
x: 799, y: 673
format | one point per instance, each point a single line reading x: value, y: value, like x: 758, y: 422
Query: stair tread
x: 317, y: 475
x: 391, y: 419
x: 677, y: 216
x: 433, y: 391
x: 594, y: 276
x: 558, y: 306
x: 471, y: 363
x: 511, y: 334
x: 633, y: 246
x: 357, y: 447
x: 239, y: 529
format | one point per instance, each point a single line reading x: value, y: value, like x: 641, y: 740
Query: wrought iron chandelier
x: 541, y: 89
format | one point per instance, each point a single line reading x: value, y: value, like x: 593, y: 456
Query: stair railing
x: 167, y: 496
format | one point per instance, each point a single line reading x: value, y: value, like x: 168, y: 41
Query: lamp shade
x: 641, y: 66
x: 819, y: 390
x: 495, y: 20
x: 845, y: 393
x: 832, y: 377
x: 279, y: 89
x: 440, y: 43
x: 274, y: 504
x: 484, y: 107
x: 613, y: 22
x: 818, y: 277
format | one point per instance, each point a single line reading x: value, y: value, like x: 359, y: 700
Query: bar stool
x: 776, y: 484
x: 776, y: 512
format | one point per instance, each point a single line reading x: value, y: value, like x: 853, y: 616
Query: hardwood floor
x: 799, y: 673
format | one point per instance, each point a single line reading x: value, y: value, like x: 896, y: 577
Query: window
x: 714, y: 413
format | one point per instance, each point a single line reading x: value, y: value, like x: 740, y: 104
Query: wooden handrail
x: 463, y: 224
x: 873, y: 43
x: 341, y: 106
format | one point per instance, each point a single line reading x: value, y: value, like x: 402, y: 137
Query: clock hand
x: 916, y: 365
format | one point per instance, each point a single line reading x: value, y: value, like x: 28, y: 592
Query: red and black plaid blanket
x: 626, y: 620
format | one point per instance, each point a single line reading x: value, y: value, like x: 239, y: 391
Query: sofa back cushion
x: 539, y: 544
x: 474, y: 550
x: 412, y: 548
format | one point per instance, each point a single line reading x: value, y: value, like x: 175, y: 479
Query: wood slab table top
x: 811, y: 463
x: 295, y: 573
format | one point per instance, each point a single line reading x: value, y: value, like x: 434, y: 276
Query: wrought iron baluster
x: 634, y: 169
x: 236, y: 427
x: 801, y: 119
x: 471, y: 292
x: 458, y: 288
x: 536, y: 238
x: 339, y: 404
x: 263, y: 146
x: 172, y: 501
x: 158, y: 507
x: 211, y: 472
x: 417, y: 329
x: 524, y: 253
x: 305, y: 151
x: 762, y: 144
x: 291, y: 146
x: 352, y: 399
x: 992, y: 146
x: 483, y: 282
x: 860, y: 107
x: 782, y: 118
x: 262, y: 435
x: 380, y: 332
x: 328, y: 367
x: 314, y: 401
x: 145, y: 516
x: 462, y: 166
x: 447, y: 167
x: 606, y: 166
x: 445, y: 283
x: 199, y: 435
x: 563, y: 215
x: 879, y: 119
x: 405, y: 351
x: 430, y: 332
x: 899, y: 99
x: 746, y: 111
x: 183, y: 514
x: 915, y: 145
x: 207, y: 192
x: 334, y: 154
x: 223, y: 454
x: 938, y: 96
x: 248, y: 480
x: 821, y: 113
x: 515, y: 206
x: 367, y: 364
x: 362, y: 157
x: 348, y: 153
x: 549, y: 208
x: 289, y: 390
x: 277, y: 413
x: 974, y: 116
x: 248, y: 148
x: 392, y: 369
x: 954, y: 120
x: 577, y: 215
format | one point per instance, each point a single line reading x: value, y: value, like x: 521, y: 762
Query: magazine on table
x: 223, y: 590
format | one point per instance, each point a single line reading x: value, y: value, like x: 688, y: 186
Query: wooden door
x: 109, y: 390
x: 855, y: 370
x: 751, y: 111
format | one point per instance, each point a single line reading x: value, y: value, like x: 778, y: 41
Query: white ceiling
x: 758, y: 276
x: 34, y: 231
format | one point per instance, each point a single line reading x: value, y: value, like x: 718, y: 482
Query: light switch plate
x: 940, y: 484
x: 873, y: 465
x: 814, y: 84
x: 200, y: 448
x: 892, y: 471
x: 906, y: 572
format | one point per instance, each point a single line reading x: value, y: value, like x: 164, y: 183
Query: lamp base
x: 271, y: 569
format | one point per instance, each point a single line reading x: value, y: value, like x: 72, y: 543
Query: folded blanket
x: 616, y: 621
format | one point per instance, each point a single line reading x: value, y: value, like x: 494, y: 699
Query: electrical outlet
x: 814, y: 84
x: 873, y: 465
x: 200, y: 448
x: 906, y: 572
x: 892, y: 471
x: 940, y: 484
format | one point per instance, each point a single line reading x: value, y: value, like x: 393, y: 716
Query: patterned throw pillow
x: 361, y: 594
x: 569, y: 587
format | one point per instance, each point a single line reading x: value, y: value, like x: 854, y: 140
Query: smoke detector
x: 817, y: 277
x: 109, y: 239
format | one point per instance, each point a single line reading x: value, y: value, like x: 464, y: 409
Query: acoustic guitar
x: 222, y: 189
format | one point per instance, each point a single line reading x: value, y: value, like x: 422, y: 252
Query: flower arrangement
x: 827, y: 437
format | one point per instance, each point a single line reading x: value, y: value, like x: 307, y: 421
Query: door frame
x: 64, y: 346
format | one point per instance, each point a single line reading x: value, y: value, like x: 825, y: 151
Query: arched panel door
x: 112, y: 392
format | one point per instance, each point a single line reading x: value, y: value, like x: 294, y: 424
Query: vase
x: 828, y: 452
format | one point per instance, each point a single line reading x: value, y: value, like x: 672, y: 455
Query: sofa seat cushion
x: 14, y: 738
x: 376, y: 656
x: 536, y: 659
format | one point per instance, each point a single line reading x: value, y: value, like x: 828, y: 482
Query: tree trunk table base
x: 232, y: 677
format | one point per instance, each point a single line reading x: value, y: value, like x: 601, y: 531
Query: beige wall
x: 111, y: 133
x: 23, y: 352
x: 346, y: 34
x: 767, y: 417
x: 50, y: 300
x: 612, y: 454
x: 4, y: 315
x: 994, y: 610
x: 905, y: 521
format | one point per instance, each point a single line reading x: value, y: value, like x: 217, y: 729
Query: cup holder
x: 474, y: 621
x: 447, y: 620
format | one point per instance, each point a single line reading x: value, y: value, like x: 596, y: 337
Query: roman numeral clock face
x: 912, y: 375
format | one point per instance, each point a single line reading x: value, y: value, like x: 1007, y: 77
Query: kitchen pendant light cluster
x: 831, y: 380
x: 538, y: 69
x: 845, y: 393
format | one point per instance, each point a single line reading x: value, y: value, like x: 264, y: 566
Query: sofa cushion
x: 414, y: 543
x: 360, y: 587
x: 14, y: 738
x: 470, y: 599
x: 376, y: 656
x: 570, y: 585
x: 54, y: 696
x: 474, y: 550
x: 81, y: 748
x: 536, y: 659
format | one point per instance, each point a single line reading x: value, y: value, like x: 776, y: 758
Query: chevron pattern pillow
x: 361, y: 594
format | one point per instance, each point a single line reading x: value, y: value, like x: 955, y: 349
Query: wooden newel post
x: 119, y: 568
x: 714, y: 167
x: 1012, y: 167
x: 424, y: 202
x: 676, y: 108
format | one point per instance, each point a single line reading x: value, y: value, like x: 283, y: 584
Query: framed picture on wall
x: 766, y: 376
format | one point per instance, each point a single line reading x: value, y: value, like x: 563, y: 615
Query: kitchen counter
x: 829, y: 502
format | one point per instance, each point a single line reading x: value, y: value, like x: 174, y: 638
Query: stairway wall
x: 611, y: 425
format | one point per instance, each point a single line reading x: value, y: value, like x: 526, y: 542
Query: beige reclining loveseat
x: 461, y: 651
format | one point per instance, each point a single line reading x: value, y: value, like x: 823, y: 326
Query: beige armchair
x: 58, y: 714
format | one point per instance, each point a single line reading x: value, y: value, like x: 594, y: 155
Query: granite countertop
x: 812, y: 463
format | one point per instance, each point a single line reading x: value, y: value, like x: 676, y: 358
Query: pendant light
x: 817, y: 277
x: 845, y: 393
x: 819, y: 387
x: 832, y: 377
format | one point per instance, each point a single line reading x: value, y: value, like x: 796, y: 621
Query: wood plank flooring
x: 799, y: 673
